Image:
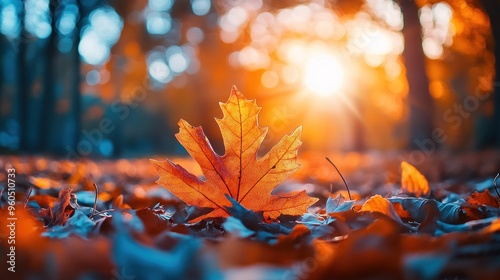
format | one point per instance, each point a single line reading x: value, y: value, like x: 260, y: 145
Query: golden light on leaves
x: 238, y: 173
x: 379, y: 204
x: 413, y: 182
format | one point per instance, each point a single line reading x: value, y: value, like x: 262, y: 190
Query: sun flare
x: 323, y: 74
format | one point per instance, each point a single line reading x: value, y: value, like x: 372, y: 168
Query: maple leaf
x: 413, y: 182
x: 238, y: 173
x: 483, y: 198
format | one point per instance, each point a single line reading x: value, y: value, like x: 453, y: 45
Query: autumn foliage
x: 238, y: 173
x: 241, y: 216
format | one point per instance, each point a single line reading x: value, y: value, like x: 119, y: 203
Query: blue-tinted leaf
x: 312, y: 219
x: 466, y: 227
x: 338, y: 204
x: 484, y: 185
x: 249, y: 218
x: 145, y: 262
x: 449, y: 212
x: 236, y: 227
x: 79, y: 224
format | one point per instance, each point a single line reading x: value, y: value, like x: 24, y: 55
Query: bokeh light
x: 270, y: 79
x: 102, y: 32
x: 158, y: 23
x: 323, y: 74
x: 348, y: 55
x: 201, y: 7
x: 436, y: 29
x: 9, y: 20
x: 38, y: 18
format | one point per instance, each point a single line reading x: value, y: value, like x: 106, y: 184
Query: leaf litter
x: 239, y: 223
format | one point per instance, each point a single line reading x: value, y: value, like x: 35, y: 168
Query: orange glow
x: 270, y: 79
x: 323, y: 74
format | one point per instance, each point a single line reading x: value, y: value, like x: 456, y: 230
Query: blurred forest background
x: 112, y: 78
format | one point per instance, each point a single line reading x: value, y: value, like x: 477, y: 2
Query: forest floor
x: 53, y: 227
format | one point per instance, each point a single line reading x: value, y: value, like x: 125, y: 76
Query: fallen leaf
x: 312, y: 219
x: 493, y: 227
x: 468, y: 226
x: 381, y: 205
x: 483, y: 198
x: 400, y: 211
x: 415, y: 207
x: 236, y: 227
x: 238, y: 173
x: 78, y: 224
x: 338, y: 204
x: 142, y: 261
x: 154, y: 220
x: 295, y: 236
x: 413, y: 182
x: 59, y: 214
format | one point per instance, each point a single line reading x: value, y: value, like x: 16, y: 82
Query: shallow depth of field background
x: 110, y: 79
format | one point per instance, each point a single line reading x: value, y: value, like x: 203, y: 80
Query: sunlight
x: 323, y: 74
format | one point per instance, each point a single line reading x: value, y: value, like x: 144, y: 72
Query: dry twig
x: 338, y: 171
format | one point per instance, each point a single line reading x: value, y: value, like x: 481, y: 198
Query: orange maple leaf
x: 483, y: 198
x: 413, y: 182
x: 382, y: 205
x: 238, y: 173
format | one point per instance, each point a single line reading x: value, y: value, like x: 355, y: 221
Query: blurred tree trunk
x: 76, y: 98
x: 48, y: 98
x: 491, y: 136
x: 419, y: 98
x: 22, y: 87
x: 119, y: 62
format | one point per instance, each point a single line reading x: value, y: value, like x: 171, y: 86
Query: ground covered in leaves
x: 135, y: 229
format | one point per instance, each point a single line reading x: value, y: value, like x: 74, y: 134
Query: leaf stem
x: 94, y: 209
x: 338, y: 171
x: 28, y: 197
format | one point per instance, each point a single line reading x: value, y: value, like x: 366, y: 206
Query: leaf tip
x: 298, y: 129
x: 236, y: 93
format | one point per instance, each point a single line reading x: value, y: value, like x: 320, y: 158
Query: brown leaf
x: 62, y: 210
x: 238, y: 172
x: 413, y: 182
